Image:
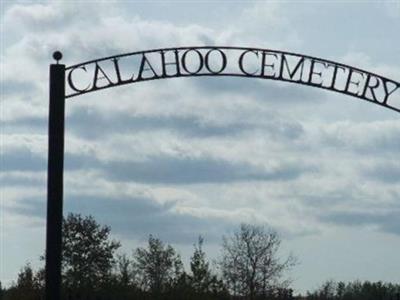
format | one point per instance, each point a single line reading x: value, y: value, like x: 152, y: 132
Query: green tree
x: 250, y: 265
x: 87, y: 253
x: 340, y: 290
x: 26, y: 287
x: 355, y: 290
x: 25, y: 278
x: 158, y: 267
x: 202, y: 282
x: 328, y: 290
x: 124, y: 271
x: 201, y: 274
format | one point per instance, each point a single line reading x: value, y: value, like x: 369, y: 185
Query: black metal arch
x: 272, y: 64
x: 211, y: 61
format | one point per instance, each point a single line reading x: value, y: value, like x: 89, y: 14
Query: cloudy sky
x: 183, y: 157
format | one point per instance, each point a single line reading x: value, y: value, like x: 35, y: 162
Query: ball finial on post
x: 57, y: 55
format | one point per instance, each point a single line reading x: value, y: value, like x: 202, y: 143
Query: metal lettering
x: 263, y: 64
x: 285, y: 65
x: 201, y: 61
x: 223, y: 62
x: 238, y: 61
x: 98, y: 70
x: 71, y: 83
x: 165, y: 64
x: 143, y: 68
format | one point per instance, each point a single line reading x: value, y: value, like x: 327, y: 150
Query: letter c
x: 241, y: 62
x: 72, y: 85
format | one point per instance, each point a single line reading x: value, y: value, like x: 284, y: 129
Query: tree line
x: 249, y: 268
x: 356, y: 290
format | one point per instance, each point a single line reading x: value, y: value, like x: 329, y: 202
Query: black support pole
x: 55, y: 180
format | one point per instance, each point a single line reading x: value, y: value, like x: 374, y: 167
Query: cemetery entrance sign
x: 108, y: 72
x: 229, y: 61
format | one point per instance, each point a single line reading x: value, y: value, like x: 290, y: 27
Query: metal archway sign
x: 113, y: 71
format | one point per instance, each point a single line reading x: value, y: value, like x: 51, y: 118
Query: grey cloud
x: 387, y: 173
x: 22, y: 160
x: 159, y: 169
x: 139, y: 217
x: 30, y: 206
x: 169, y: 170
x: 94, y: 125
x: 176, y: 170
x: 13, y: 87
x: 27, y: 124
x: 325, y: 200
x: 387, y: 221
x: 368, y: 141
x: 288, y: 130
x: 12, y: 181
x: 261, y: 89
x: 135, y: 217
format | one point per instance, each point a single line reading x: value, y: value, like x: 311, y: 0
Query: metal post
x: 55, y: 180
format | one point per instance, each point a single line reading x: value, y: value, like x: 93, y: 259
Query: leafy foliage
x: 157, y: 267
x: 87, y: 253
x: 201, y: 274
x: 27, y: 287
x: 250, y: 269
x: 202, y: 281
x: 356, y: 290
